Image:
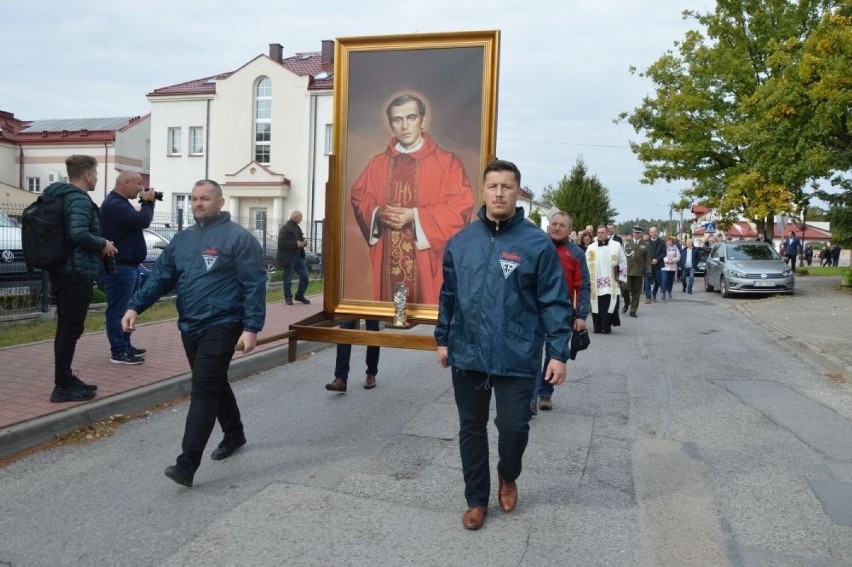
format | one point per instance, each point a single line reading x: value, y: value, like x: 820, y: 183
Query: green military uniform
x: 638, y: 264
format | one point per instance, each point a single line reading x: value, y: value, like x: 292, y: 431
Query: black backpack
x: 43, y: 234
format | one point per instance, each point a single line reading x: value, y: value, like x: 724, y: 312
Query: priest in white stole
x: 607, y: 268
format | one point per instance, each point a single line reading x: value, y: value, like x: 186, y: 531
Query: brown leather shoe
x: 474, y: 517
x: 337, y: 386
x: 507, y: 493
x: 545, y: 403
x: 369, y: 382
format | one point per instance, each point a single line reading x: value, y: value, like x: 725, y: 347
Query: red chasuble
x: 433, y: 181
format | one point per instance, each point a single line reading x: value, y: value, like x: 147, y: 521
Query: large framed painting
x: 415, y: 122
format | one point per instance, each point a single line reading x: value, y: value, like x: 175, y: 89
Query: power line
x: 551, y: 142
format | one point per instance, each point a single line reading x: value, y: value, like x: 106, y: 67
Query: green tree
x: 581, y: 195
x: 701, y: 123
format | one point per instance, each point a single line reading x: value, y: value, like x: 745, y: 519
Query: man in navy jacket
x: 217, y: 268
x: 503, y: 298
x: 123, y: 224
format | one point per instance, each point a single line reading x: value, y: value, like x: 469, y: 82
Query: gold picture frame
x: 453, y: 77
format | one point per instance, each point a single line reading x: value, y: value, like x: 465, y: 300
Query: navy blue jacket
x: 218, y: 271
x: 696, y: 256
x: 657, y: 249
x: 123, y: 224
x: 503, y: 298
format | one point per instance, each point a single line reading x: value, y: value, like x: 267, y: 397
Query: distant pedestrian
x: 809, y: 254
x: 657, y: 252
x: 670, y: 263
x: 792, y: 246
x: 607, y: 269
x: 825, y: 256
x: 71, y: 284
x: 503, y: 297
x: 689, y: 261
x: 835, y: 254
x: 217, y: 269
x: 638, y: 264
x: 291, y: 257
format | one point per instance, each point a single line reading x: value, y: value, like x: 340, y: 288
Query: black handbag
x: 580, y: 340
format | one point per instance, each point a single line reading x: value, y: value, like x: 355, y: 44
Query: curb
x: 28, y: 434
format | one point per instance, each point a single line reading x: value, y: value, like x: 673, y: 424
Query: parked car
x: 15, y: 278
x: 156, y: 241
x: 703, y: 253
x: 747, y: 267
x: 270, y: 250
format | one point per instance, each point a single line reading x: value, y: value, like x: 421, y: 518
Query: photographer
x: 123, y: 224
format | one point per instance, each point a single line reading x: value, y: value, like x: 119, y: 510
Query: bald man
x: 122, y: 223
x: 291, y: 257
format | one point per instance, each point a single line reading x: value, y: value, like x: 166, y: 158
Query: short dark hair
x: 503, y: 165
x: 402, y: 99
x: 77, y: 165
x: 216, y: 187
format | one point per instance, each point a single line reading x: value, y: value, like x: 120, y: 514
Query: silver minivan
x: 747, y: 267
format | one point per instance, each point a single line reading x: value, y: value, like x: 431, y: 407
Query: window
x: 196, y: 141
x: 262, y: 120
x: 34, y: 184
x: 174, y: 141
x: 329, y: 139
x: 258, y: 218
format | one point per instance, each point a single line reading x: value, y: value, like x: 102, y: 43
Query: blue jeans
x: 653, y: 277
x: 473, y: 397
x: 542, y: 387
x: 344, y: 353
x: 119, y: 288
x: 668, y: 281
x: 688, y: 279
x: 297, y: 264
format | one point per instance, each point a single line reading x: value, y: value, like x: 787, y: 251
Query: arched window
x: 262, y: 119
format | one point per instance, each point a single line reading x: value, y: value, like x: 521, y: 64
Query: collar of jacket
x: 497, y: 227
x: 221, y: 217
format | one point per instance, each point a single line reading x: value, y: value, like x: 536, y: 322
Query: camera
x: 158, y: 195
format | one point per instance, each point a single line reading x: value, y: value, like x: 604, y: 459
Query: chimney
x: 276, y: 52
x: 327, y: 59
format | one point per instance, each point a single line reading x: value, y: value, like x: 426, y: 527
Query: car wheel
x: 707, y: 286
x: 723, y: 287
x: 270, y: 269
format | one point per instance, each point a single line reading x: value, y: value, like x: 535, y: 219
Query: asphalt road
x: 689, y: 436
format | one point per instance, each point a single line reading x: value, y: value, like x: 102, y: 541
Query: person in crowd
x: 409, y: 200
x: 808, y: 251
x: 636, y: 250
x: 344, y: 354
x: 657, y: 252
x: 607, y: 268
x: 503, y: 298
x: 825, y: 256
x: 670, y: 262
x: 71, y: 284
x: 573, y: 261
x: 585, y: 240
x: 610, y: 229
x: 792, y: 246
x: 688, y: 262
x: 291, y: 257
x: 122, y: 223
x: 835, y: 254
x: 217, y: 269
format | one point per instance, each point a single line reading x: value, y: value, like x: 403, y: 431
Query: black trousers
x: 73, y: 295
x: 473, y: 398
x: 209, y: 354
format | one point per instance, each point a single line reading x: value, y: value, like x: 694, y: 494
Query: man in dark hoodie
x: 123, y: 224
x: 71, y: 284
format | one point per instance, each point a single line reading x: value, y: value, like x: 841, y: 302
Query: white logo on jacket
x: 209, y: 261
x: 508, y: 267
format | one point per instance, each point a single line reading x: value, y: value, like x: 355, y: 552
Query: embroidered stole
x: 399, y: 263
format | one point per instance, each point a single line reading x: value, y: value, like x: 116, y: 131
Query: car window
x: 752, y: 252
x: 6, y: 221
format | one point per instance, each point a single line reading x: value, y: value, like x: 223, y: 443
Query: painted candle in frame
x: 418, y: 121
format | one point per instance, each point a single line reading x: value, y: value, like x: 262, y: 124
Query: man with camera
x: 122, y: 223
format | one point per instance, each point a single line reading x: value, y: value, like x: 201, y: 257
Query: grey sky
x: 563, y: 65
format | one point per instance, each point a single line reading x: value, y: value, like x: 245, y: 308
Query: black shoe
x: 127, y: 358
x: 227, y: 447
x: 72, y: 393
x: 140, y: 352
x: 80, y: 384
x: 302, y: 299
x: 633, y: 314
x: 179, y: 475
x: 288, y: 301
x: 625, y: 308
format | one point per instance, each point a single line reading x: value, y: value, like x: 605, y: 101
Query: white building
x: 263, y: 131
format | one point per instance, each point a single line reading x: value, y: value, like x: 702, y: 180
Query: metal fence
x: 24, y: 292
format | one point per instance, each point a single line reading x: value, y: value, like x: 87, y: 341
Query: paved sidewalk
x: 28, y: 418
x: 816, y: 322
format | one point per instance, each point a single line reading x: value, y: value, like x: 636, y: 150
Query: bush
x: 98, y: 296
